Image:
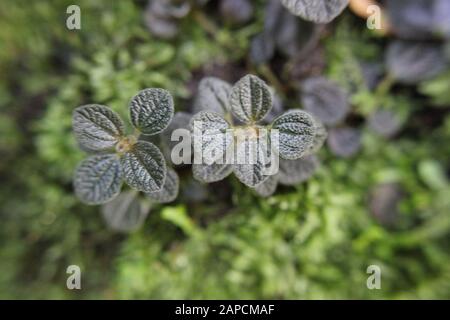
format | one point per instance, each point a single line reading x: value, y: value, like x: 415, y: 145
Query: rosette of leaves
x: 318, y: 11
x: 117, y: 157
x: 247, y: 103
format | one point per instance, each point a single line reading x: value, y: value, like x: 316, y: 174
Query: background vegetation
x: 314, y: 240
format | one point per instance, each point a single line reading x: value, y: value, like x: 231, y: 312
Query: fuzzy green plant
x: 240, y: 110
x: 119, y: 157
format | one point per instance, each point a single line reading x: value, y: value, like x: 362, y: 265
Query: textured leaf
x: 250, y: 99
x: 144, y: 167
x: 96, y: 127
x: 98, y: 179
x: 209, y: 136
x: 324, y: 100
x: 293, y: 172
x: 268, y: 187
x: 296, y: 133
x: 344, y: 142
x: 151, y: 110
x: 211, y: 173
x: 411, y: 61
x: 318, y: 11
x: 320, y: 135
x: 250, y: 174
x: 213, y: 95
x: 169, y: 191
x: 251, y: 159
x: 125, y: 213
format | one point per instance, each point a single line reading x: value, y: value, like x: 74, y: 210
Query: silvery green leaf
x: 250, y: 99
x: 144, y: 167
x: 344, y: 142
x: 250, y: 174
x: 320, y: 135
x: 251, y: 159
x: 268, y: 187
x: 296, y: 133
x: 211, y: 173
x: 293, y: 172
x: 325, y: 100
x: 318, y: 11
x: 213, y: 95
x: 169, y: 191
x: 209, y: 136
x: 96, y: 127
x: 151, y: 110
x: 125, y: 213
x: 98, y: 179
x: 412, y: 61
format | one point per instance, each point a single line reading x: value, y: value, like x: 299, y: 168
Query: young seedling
x: 239, y: 110
x: 118, y: 156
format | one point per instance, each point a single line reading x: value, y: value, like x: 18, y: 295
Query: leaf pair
x: 98, y: 129
x: 248, y: 101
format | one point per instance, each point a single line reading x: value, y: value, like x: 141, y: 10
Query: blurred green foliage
x: 312, y: 241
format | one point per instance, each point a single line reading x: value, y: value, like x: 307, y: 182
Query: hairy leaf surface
x: 211, y: 173
x: 296, y: 133
x: 169, y: 191
x: 251, y: 99
x: 268, y: 187
x: 209, y: 136
x: 151, y: 110
x: 318, y: 11
x: 144, y: 167
x: 98, y: 179
x: 96, y: 127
